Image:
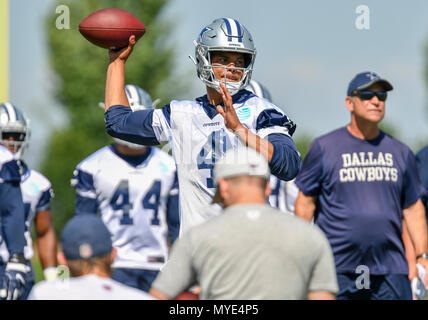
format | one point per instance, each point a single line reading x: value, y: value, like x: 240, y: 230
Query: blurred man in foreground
x: 88, y: 253
x: 250, y: 251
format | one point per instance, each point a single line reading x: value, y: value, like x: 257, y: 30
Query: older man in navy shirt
x: 359, y: 184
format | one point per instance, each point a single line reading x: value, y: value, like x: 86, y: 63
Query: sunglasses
x: 367, y: 95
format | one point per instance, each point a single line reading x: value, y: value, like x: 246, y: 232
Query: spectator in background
x: 358, y: 183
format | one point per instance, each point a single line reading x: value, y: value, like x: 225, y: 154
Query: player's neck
x: 214, y: 97
x: 100, y: 273
x: 246, y: 199
x: 363, y: 129
x: 130, y: 151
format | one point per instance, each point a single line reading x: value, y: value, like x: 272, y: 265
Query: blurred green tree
x: 80, y: 69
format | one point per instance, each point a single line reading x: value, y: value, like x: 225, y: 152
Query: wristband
x: 50, y: 273
x: 422, y: 255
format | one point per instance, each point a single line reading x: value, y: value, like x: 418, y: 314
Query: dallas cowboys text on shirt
x: 367, y: 166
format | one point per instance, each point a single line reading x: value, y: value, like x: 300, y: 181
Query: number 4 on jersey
x: 120, y: 201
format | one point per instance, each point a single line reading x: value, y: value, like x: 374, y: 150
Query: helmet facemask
x: 14, y: 124
x: 226, y: 35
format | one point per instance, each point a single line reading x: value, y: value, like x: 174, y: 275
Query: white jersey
x: 36, y: 194
x: 283, y: 195
x: 132, y: 201
x: 89, y: 287
x: 198, y: 136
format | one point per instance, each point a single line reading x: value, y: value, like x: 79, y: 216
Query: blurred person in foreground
x: 251, y: 250
x: 88, y: 253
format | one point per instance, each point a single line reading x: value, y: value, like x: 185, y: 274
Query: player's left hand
x: 231, y: 120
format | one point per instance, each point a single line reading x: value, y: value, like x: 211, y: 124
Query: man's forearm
x: 46, y: 240
x: 417, y: 226
x: 264, y: 147
x: 47, y: 249
x: 305, y: 207
x: 409, y: 250
x: 115, y: 85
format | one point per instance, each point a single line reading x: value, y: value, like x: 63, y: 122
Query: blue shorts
x: 136, y: 278
x: 381, y: 287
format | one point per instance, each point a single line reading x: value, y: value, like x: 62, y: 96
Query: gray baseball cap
x: 240, y: 162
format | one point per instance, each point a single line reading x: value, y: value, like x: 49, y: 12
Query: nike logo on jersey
x: 211, y: 124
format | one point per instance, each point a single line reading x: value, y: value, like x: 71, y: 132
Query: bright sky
x: 307, y: 52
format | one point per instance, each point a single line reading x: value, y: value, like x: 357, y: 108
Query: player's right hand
x: 124, y: 53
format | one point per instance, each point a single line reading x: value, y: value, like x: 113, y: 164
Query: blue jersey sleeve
x: 422, y: 163
x: 45, y: 201
x: 86, y: 201
x: 310, y: 176
x: 10, y: 172
x: 12, y: 216
x: 173, y: 213
x: 413, y: 190
x: 82, y: 181
x: 135, y: 127
x: 285, y: 162
x: 271, y: 117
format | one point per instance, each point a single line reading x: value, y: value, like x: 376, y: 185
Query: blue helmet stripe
x: 140, y: 99
x: 17, y: 113
x: 238, y: 26
x: 5, y: 109
x: 229, y: 29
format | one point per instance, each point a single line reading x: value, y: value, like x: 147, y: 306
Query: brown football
x: 187, y: 295
x: 111, y: 28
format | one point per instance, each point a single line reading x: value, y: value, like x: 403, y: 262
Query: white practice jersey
x: 198, y: 137
x: 283, y: 195
x: 89, y: 287
x: 36, y: 194
x: 132, y: 201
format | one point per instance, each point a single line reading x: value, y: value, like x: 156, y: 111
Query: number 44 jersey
x: 136, y: 198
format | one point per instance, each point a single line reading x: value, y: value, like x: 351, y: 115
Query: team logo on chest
x: 365, y: 166
x: 243, y: 113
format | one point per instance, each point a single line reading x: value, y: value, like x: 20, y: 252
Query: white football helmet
x: 259, y: 90
x: 13, y: 123
x: 138, y: 99
x: 224, y: 34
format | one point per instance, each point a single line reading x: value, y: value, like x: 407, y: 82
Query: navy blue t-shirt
x: 422, y: 162
x: 361, y: 186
